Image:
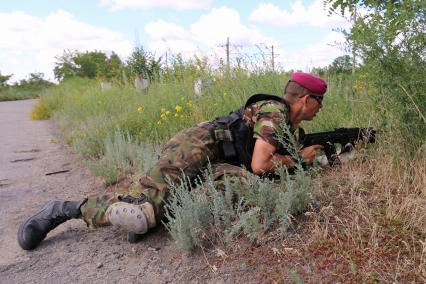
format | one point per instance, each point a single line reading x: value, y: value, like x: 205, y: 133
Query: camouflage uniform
x: 187, y: 153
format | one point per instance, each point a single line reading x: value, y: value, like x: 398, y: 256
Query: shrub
x: 41, y: 110
x: 200, y: 213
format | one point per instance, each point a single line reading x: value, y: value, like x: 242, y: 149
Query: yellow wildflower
x: 168, y: 113
x: 140, y: 109
x: 178, y: 108
x: 163, y: 110
x: 159, y: 122
x: 163, y: 115
x: 189, y: 103
x: 176, y: 115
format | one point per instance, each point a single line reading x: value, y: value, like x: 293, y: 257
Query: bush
x: 41, y: 110
x: 200, y: 214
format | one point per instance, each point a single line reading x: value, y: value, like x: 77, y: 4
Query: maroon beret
x: 312, y: 83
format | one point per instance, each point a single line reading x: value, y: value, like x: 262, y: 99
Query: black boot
x: 54, y: 213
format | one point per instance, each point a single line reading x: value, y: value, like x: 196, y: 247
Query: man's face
x: 312, y: 105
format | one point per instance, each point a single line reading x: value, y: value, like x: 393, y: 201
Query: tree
x: 114, y: 66
x: 144, y: 64
x: 35, y: 81
x: 4, y: 79
x: 390, y: 38
x: 65, y: 66
x: 341, y: 65
x: 89, y: 64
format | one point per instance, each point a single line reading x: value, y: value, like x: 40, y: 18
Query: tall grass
x: 89, y: 114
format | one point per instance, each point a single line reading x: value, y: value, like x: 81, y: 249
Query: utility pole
x: 273, y: 59
x: 353, y: 43
x: 227, y: 53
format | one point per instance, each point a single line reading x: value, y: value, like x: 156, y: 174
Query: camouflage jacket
x: 266, y: 118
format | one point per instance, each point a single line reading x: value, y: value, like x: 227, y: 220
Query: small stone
x: 153, y: 249
x: 99, y: 265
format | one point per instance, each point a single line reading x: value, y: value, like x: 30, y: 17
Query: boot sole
x: 128, y: 217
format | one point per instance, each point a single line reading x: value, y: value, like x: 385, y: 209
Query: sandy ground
x: 72, y: 253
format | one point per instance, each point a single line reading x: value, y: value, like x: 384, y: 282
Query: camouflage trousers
x: 185, y: 155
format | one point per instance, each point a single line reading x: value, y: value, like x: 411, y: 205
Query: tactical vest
x: 235, y: 137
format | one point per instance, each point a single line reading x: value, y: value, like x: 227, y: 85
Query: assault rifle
x: 343, y: 136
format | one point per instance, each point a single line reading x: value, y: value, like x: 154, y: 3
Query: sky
x: 34, y: 32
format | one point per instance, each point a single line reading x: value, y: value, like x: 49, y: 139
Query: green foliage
x: 4, y: 79
x: 35, y: 82
x: 113, y: 67
x: 90, y: 64
x: 25, y: 89
x: 296, y: 277
x: 294, y: 197
x: 143, y: 64
x: 341, y: 65
x: 200, y: 213
x: 389, y: 36
x: 188, y: 212
x: 41, y: 110
x: 105, y: 170
x: 125, y: 153
x: 64, y: 66
x: 93, y: 64
x: 88, y: 114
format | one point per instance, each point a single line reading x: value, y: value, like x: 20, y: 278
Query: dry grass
x: 370, y: 228
x: 373, y: 220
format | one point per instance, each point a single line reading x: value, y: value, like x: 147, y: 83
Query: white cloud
x: 30, y: 44
x: 223, y: 22
x: 161, y: 29
x: 315, y: 15
x: 180, y: 5
x: 210, y: 31
x: 208, y: 34
x: 170, y: 37
x: 316, y: 55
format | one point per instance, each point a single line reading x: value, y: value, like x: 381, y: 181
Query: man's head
x: 305, y: 93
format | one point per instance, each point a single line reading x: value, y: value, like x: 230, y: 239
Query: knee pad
x: 129, y: 217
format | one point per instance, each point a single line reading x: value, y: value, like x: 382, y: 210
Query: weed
x: 41, y: 110
x: 106, y: 171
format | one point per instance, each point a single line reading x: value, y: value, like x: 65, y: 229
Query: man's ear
x: 304, y: 99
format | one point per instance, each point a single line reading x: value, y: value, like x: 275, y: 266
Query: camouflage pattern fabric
x: 93, y: 211
x: 187, y: 154
x: 265, y: 117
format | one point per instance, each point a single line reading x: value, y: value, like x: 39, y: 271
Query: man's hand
x: 308, y: 153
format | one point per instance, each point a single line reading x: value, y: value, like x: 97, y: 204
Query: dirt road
x: 72, y: 253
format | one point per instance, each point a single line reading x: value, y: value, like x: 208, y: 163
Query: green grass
x: 89, y: 114
x: 14, y: 94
